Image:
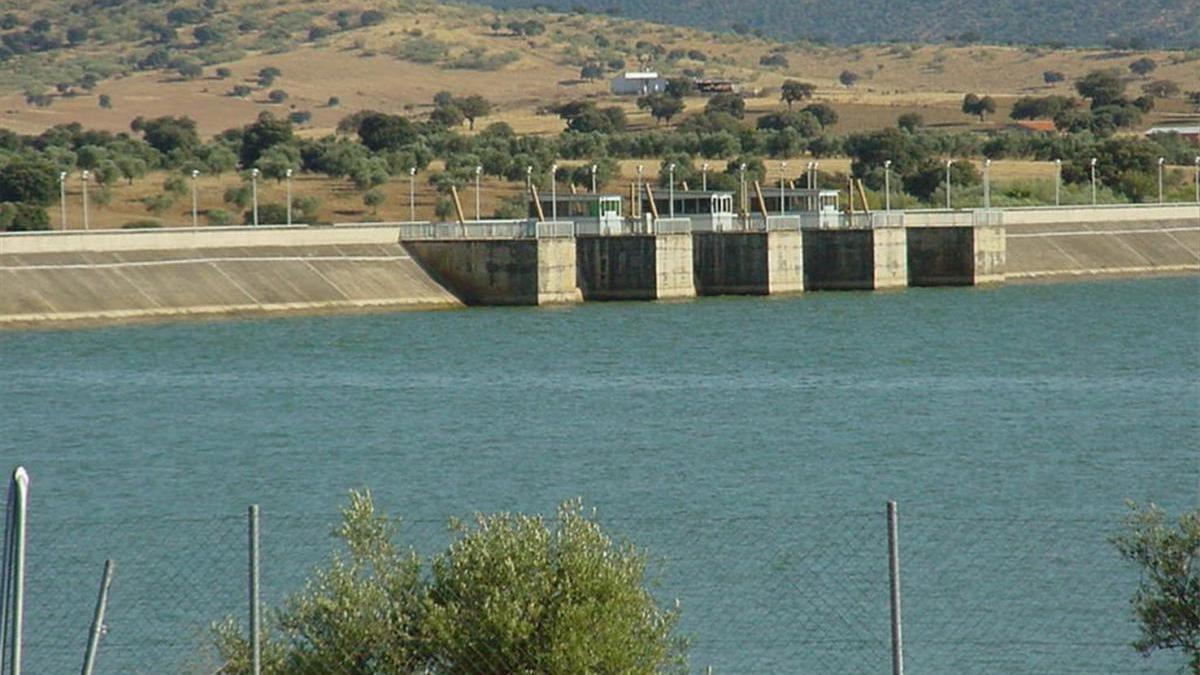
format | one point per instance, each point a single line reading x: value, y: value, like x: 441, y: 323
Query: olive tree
x: 511, y: 594
x: 1167, y: 600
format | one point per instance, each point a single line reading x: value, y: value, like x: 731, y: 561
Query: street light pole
x: 554, y: 192
x: 782, y: 189
x: 671, y: 189
x: 987, y: 183
x: 742, y: 180
x: 1160, y: 179
x: 593, y: 179
x: 85, y: 176
x: 1198, y: 180
x: 478, y: 173
x: 948, y: 163
x: 887, y: 185
x: 254, y: 193
x: 288, y: 175
x: 195, y: 175
x: 412, y: 194
x: 62, y: 196
x: 704, y: 177
x: 1093, y: 165
x: 1057, y: 182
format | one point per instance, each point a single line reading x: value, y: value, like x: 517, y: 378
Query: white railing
x: 672, y: 226
x: 487, y: 229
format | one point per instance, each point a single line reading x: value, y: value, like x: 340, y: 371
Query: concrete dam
x: 49, y: 278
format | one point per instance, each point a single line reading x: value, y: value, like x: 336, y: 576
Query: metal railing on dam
x: 486, y: 229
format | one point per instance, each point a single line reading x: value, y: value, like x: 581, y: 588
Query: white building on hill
x: 638, y: 84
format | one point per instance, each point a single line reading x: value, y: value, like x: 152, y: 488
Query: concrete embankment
x: 1045, y: 244
x: 110, y: 276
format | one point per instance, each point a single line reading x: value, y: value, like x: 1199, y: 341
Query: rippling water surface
x: 748, y: 444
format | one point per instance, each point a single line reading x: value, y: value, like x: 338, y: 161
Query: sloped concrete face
x: 117, y: 285
x: 1066, y: 250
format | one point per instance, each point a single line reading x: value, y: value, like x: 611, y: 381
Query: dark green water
x: 748, y: 444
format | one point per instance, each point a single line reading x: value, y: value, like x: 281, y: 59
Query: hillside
x: 1083, y: 23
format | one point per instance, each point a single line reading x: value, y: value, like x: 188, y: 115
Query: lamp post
x: 412, y: 194
x: 949, y: 162
x: 671, y: 189
x: 593, y: 179
x: 782, y: 189
x: 1161, y: 160
x: 887, y: 185
x: 1093, y: 167
x: 478, y: 173
x: 84, y: 178
x: 742, y: 180
x: 254, y: 194
x: 195, y: 175
x: 987, y: 183
x: 1058, y: 182
x: 62, y: 196
x: 1198, y: 179
x: 288, y: 177
x: 704, y: 177
x: 554, y: 192
x: 640, y: 170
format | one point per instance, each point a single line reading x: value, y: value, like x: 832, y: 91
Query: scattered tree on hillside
x: 1052, y: 77
x: 267, y: 131
x: 28, y: 181
x: 1161, y: 89
x: 277, y: 96
x: 848, y: 78
x: 591, y: 71
x: 728, y: 103
x: 473, y: 107
x: 978, y: 105
x: 1143, y: 66
x: 1103, y: 87
x: 794, y: 90
x: 774, y: 60
x: 910, y: 122
x: 224, y: 73
x: 167, y: 134
x: 333, y: 102
x: 1044, y: 107
x: 448, y: 116
x: 380, y: 131
x: 661, y: 106
x: 1167, y: 600
x: 824, y: 113
x: 105, y: 101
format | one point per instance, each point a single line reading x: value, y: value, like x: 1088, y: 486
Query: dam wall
x: 636, y: 266
x: 748, y: 263
x: 523, y: 271
x: 108, y: 276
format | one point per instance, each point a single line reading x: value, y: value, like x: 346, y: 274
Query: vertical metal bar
x: 894, y: 577
x: 89, y: 659
x: 21, y: 486
x: 255, y: 619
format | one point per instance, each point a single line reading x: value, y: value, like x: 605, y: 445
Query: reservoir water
x: 748, y: 444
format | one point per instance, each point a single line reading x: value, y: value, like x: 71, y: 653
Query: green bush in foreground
x: 511, y: 594
x: 1167, y: 600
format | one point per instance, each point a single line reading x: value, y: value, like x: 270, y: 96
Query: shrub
x: 21, y: 217
x: 145, y: 224
x: 218, y: 217
x: 268, y: 214
x: 105, y: 101
x: 568, y: 600
x: 159, y: 204
x: 277, y: 96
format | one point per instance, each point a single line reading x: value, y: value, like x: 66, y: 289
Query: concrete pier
x: 748, y: 263
x: 854, y: 259
x: 635, y: 266
x: 955, y: 256
x: 501, y: 271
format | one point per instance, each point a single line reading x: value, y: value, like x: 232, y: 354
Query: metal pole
x: 782, y: 189
x: 593, y: 179
x: 640, y: 170
x: 1093, y: 181
x: 742, y: 179
x: 887, y: 185
x: 254, y: 192
x: 288, y: 175
x: 704, y: 177
x: 85, y: 177
x: 412, y: 194
x: 948, y: 163
x: 62, y: 200
x: 89, y: 658
x: 195, y: 174
x: 894, y: 578
x: 987, y: 183
x: 255, y: 618
x: 1160, y: 179
x: 554, y: 192
x: 1057, y: 182
x: 1198, y: 180
x: 671, y: 188
x: 21, y: 492
x: 478, y: 173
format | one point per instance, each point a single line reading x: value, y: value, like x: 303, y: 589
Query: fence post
x: 255, y: 620
x: 894, y: 578
x: 89, y: 658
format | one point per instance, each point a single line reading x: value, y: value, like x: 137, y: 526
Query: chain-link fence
x: 778, y: 593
